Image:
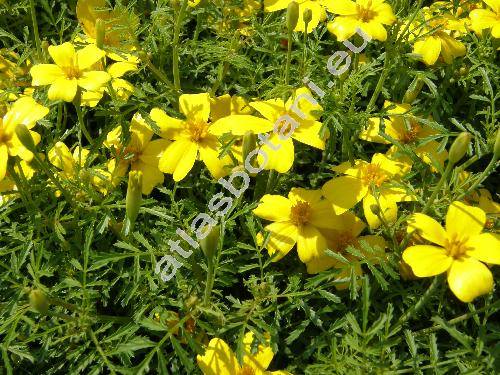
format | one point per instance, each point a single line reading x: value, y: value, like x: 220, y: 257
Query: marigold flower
x: 482, y: 19
x: 405, y: 131
x: 370, y: 182
x: 140, y: 153
x: 368, y: 15
x: 72, y: 69
x: 346, y: 233
x: 297, y: 220
x: 220, y: 359
x: 24, y: 111
x: 307, y: 130
x: 461, y: 247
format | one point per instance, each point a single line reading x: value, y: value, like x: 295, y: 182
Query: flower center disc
x: 300, y: 213
x: 373, y: 174
x: 344, y: 240
x: 246, y: 370
x: 365, y: 14
x: 72, y: 72
x: 197, y: 130
x: 455, y: 248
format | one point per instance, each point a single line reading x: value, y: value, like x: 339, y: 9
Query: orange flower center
x: 411, y: 134
x: 129, y: 154
x: 246, y: 370
x: 365, y: 14
x: 455, y: 248
x: 197, y: 130
x: 72, y: 72
x: 300, y: 213
x: 372, y: 173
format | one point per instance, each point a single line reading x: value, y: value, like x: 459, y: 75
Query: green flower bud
x: 249, y: 144
x: 100, y: 32
x: 459, y: 147
x: 496, y: 147
x: 292, y: 15
x: 38, y: 301
x: 24, y: 135
x: 413, y: 90
x: 307, y: 15
x: 375, y: 209
x: 210, y: 243
x: 134, y: 198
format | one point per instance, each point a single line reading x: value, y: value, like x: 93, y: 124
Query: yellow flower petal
x: 343, y: 27
x: 280, y: 160
x: 387, y: 206
x: 178, y: 159
x: 374, y: 29
x: 274, y: 5
x: 93, y: 80
x: 313, y: 197
x: 61, y: 157
x: 463, y: 221
x: 63, y: 89
x: 45, y: 74
x: 209, y: 154
x: 151, y: 176
x: 119, y: 69
x: 484, y: 247
x: 153, y: 151
x: 428, y: 228
x: 344, y: 192
x: 318, y: 14
x: 426, y: 260
x: 195, y: 106
x: 308, y: 132
x: 240, y: 125
x: 429, y: 48
x: 310, y: 243
x: 342, y: 7
x: 469, y: 279
x: 169, y: 126
x: 63, y: 55
x: 88, y: 56
x: 24, y: 111
x: 259, y: 361
x: 4, y: 158
x: 218, y: 359
x: 282, y: 238
x: 273, y: 208
x: 371, y: 132
x: 270, y: 109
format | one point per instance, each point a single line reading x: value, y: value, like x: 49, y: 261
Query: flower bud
x: 24, y: 136
x: 496, y: 147
x: 375, y: 209
x: 100, y: 32
x: 134, y: 197
x: 292, y: 15
x: 38, y: 301
x: 413, y: 90
x: 307, y: 15
x: 459, y: 147
x: 210, y: 243
x: 249, y: 144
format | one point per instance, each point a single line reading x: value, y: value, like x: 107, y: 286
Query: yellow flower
x: 120, y: 25
x: 368, y: 15
x: 219, y: 359
x: 196, y: 137
x: 370, y: 182
x: 122, y: 88
x: 140, y: 153
x: 487, y: 18
x: 237, y: 16
x: 297, y: 220
x: 24, y: 111
x: 406, y: 131
x: 346, y: 233
x: 307, y: 131
x: 461, y: 248
x: 70, y: 71
x: 433, y: 38
x: 317, y: 8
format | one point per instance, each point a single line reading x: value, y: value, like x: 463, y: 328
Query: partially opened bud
x: 210, y: 243
x: 100, y: 32
x: 413, y: 90
x: 307, y: 15
x: 38, y: 301
x: 292, y: 15
x: 459, y: 147
x: 24, y: 135
x: 134, y: 196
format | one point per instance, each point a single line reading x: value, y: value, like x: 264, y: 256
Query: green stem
x: 83, y: 127
x: 380, y: 83
x: 175, y: 53
x: 444, y: 176
x: 210, y: 282
x: 487, y: 171
x: 35, y: 29
x: 288, y: 57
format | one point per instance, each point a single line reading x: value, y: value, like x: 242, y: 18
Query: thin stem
x: 444, y: 176
x: 35, y: 29
x: 81, y: 122
x: 288, y: 57
x: 175, y: 53
x: 380, y: 83
x: 210, y: 281
x: 487, y: 171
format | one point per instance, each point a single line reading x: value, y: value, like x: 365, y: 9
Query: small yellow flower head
x: 368, y: 15
x: 72, y: 69
x: 460, y: 249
